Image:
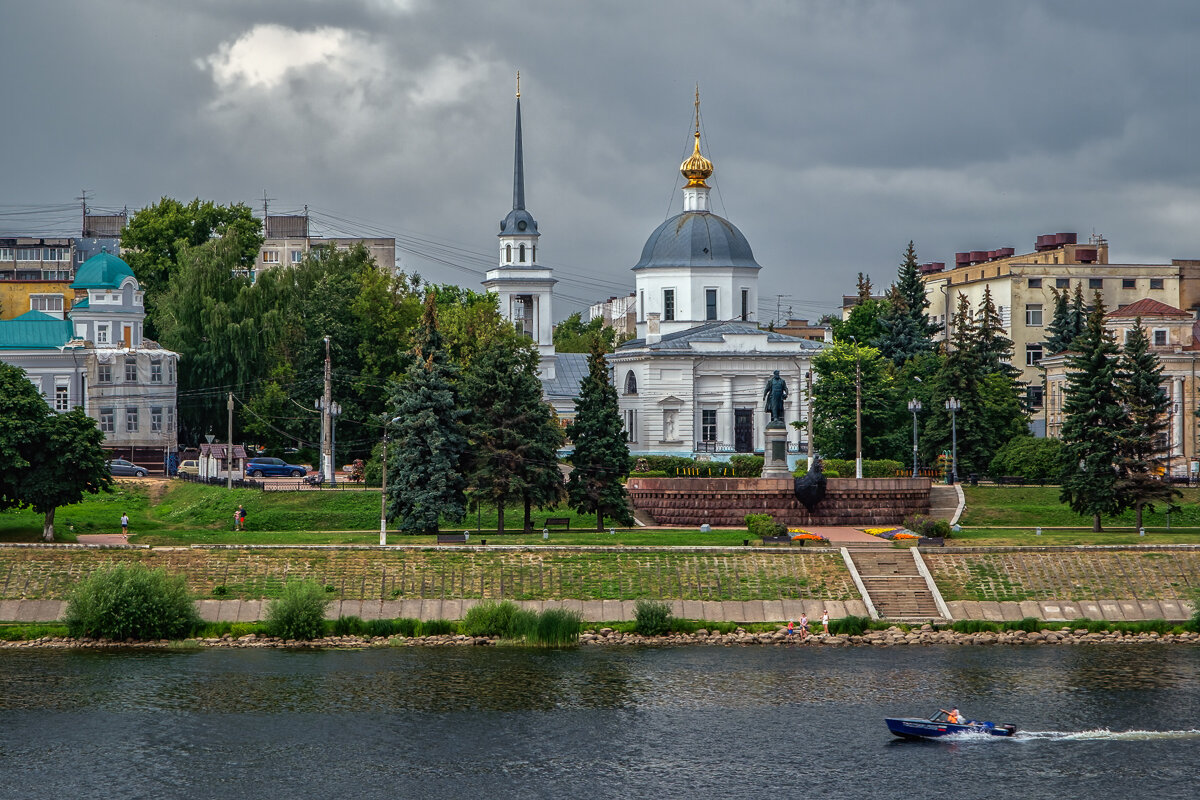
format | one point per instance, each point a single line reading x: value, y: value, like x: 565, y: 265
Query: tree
x: 426, y: 467
x: 1068, y: 322
x: 990, y: 412
x: 990, y: 341
x: 601, y: 457
x: 862, y: 324
x: 1139, y: 375
x: 157, y: 234
x: 47, y: 459
x: 902, y: 337
x: 912, y: 289
x: 513, y: 434
x: 1095, y: 423
x: 572, y: 335
x: 834, y: 424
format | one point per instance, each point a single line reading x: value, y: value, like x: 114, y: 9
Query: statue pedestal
x: 775, y: 451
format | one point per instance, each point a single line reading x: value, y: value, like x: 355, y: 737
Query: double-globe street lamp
x: 914, y: 406
x: 952, y: 405
x: 383, y: 482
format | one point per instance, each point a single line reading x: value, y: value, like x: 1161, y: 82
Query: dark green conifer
x: 1095, y: 423
x: 426, y: 466
x: 601, y: 457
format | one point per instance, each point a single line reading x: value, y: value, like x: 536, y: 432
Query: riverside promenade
x: 727, y: 584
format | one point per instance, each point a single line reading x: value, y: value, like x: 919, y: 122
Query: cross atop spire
x: 519, y: 84
x: 697, y: 102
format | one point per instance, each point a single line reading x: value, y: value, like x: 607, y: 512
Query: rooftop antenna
x: 83, y: 193
x: 265, y: 201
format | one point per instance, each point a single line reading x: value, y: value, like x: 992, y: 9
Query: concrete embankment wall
x: 690, y: 502
x: 736, y: 584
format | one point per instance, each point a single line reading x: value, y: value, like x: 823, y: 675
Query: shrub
x: 747, y: 466
x: 349, y: 626
x: 491, y: 618
x: 927, y: 526
x: 872, y: 468
x: 130, y: 601
x: 764, y: 525
x: 298, y: 613
x: 405, y: 626
x: 555, y: 627
x: 1036, y: 460
x: 974, y: 626
x: 849, y: 626
x: 653, y: 617
x: 438, y: 627
x: 1027, y: 624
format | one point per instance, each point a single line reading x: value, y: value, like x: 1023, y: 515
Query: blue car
x: 273, y: 468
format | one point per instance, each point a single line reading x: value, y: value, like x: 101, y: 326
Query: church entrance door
x: 743, y: 430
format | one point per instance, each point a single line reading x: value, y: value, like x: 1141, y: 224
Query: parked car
x: 273, y: 467
x: 121, y: 467
x: 188, y: 468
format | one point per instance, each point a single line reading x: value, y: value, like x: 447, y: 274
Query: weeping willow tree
x: 214, y: 318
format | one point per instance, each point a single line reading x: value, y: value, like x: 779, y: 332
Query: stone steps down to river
x: 943, y: 502
x: 895, y: 586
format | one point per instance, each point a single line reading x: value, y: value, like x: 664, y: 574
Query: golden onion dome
x: 696, y: 167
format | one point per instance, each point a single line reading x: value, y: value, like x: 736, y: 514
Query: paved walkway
x: 848, y: 537
x: 103, y: 538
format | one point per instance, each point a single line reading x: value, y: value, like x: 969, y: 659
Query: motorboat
x: 937, y: 726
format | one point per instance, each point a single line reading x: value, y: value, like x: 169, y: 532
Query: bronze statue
x: 810, y: 488
x: 775, y: 393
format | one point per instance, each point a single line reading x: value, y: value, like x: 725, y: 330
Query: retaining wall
x: 724, y: 502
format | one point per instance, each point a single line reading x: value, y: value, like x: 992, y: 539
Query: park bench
x: 562, y: 523
x: 782, y: 538
x: 451, y: 538
x: 931, y: 541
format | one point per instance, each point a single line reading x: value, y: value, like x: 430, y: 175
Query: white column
x: 725, y: 416
x: 1177, y: 434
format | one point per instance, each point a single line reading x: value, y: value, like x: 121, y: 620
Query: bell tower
x: 525, y: 289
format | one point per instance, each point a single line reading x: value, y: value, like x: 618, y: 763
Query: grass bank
x: 1031, y: 506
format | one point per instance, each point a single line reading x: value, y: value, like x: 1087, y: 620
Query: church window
x: 641, y: 309
x: 533, y: 253
x: 668, y: 304
x: 508, y: 253
x: 630, y: 425
x: 708, y: 425
x: 522, y: 254
x: 745, y: 304
x: 631, y: 383
x: 710, y: 304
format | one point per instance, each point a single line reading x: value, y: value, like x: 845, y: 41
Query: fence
x: 238, y: 483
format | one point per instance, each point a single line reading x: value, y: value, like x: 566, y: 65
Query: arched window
x: 630, y: 383
x: 522, y: 254
x: 533, y: 253
x: 508, y: 253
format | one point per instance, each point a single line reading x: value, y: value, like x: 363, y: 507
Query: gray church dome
x: 697, y: 239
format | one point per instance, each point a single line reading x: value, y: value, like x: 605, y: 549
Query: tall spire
x: 696, y: 168
x: 518, y: 160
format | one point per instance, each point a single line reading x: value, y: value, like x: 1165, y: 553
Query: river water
x: 696, y: 722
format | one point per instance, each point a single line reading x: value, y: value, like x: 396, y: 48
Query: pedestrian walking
x: 239, y: 518
x: 124, y: 523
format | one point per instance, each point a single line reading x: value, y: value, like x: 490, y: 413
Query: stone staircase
x: 943, y: 502
x: 895, y: 587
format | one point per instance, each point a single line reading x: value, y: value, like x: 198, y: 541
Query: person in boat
x: 952, y: 716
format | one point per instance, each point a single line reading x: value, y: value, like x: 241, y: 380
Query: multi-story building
x: 618, y: 313
x: 803, y: 329
x: 287, y: 241
x: 1022, y: 288
x: 1173, y: 340
x: 94, y: 356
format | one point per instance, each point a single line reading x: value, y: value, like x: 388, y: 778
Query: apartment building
x: 287, y: 241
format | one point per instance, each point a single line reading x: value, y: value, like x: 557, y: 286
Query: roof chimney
x: 653, y: 331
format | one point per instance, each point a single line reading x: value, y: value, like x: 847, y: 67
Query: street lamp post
x: 914, y: 406
x: 383, y: 484
x: 857, y: 411
x: 952, y: 405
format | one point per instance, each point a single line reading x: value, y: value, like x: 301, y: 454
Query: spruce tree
x: 1139, y: 374
x: 1095, y: 424
x: 910, y: 285
x: 990, y: 342
x: 513, y: 434
x: 425, y: 467
x: 902, y: 336
x: 1058, y: 333
x: 601, y: 457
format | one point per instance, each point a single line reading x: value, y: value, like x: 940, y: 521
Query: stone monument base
x: 775, y: 452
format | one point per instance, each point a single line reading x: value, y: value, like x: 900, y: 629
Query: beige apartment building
x: 1172, y: 334
x: 1022, y: 288
x: 287, y: 242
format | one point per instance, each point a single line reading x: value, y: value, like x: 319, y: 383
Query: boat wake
x: 1104, y: 735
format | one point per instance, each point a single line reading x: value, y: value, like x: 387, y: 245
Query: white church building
x: 693, y: 380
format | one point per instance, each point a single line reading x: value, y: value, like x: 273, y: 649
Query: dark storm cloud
x: 839, y: 130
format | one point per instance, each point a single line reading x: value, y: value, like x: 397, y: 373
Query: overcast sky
x: 839, y: 130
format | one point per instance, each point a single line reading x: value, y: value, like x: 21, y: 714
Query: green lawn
x: 1027, y: 537
x: 1031, y: 506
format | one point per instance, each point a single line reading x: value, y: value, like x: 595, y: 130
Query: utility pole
x: 808, y: 380
x: 327, y: 419
x: 229, y: 463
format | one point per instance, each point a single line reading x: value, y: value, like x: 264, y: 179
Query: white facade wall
x: 690, y: 285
